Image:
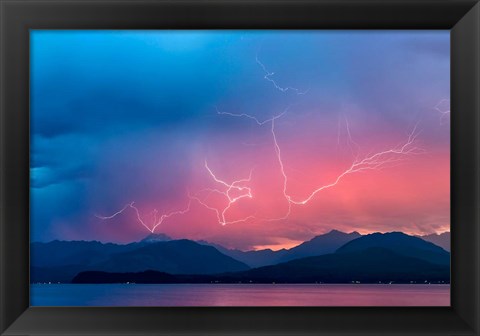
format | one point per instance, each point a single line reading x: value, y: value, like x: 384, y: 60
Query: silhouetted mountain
x: 259, y: 258
x: 61, y: 253
x: 176, y: 257
x: 319, y: 245
x: 251, y: 258
x: 372, y: 265
x: 155, y: 237
x: 442, y: 240
x: 60, y: 261
x: 401, y: 244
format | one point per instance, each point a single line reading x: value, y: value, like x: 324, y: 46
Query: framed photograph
x: 228, y: 167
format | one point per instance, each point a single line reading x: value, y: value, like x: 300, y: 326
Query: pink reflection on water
x: 240, y: 295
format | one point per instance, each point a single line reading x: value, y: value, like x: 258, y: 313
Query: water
x: 239, y: 295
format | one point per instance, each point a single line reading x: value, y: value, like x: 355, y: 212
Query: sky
x: 249, y: 139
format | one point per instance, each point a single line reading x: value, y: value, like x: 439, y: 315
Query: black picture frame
x: 17, y: 17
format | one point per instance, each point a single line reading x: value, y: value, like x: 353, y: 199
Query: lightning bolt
x: 444, y: 113
x: 353, y: 146
x: 156, y: 220
x: 350, y: 139
x: 237, y: 185
x: 237, y: 190
x: 268, y: 76
x: 375, y: 161
x: 248, y: 116
x: 277, y: 148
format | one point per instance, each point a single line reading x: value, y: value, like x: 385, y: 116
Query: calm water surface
x: 239, y: 295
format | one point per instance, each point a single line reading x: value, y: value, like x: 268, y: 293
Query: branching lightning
x: 444, y: 112
x: 353, y: 146
x: 268, y: 76
x: 240, y: 189
x: 350, y: 139
x: 375, y: 161
x: 236, y: 186
x: 156, y: 220
x: 245, y: 115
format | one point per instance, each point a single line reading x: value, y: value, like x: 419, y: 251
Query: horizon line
x: 265, y: 247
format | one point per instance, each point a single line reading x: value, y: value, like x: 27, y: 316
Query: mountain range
x: 401, y: 244
x: 61, y: 261
x: 322, y: 244
x: 369, y: 265
x: 442, y: 239
x: 333, y: 257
